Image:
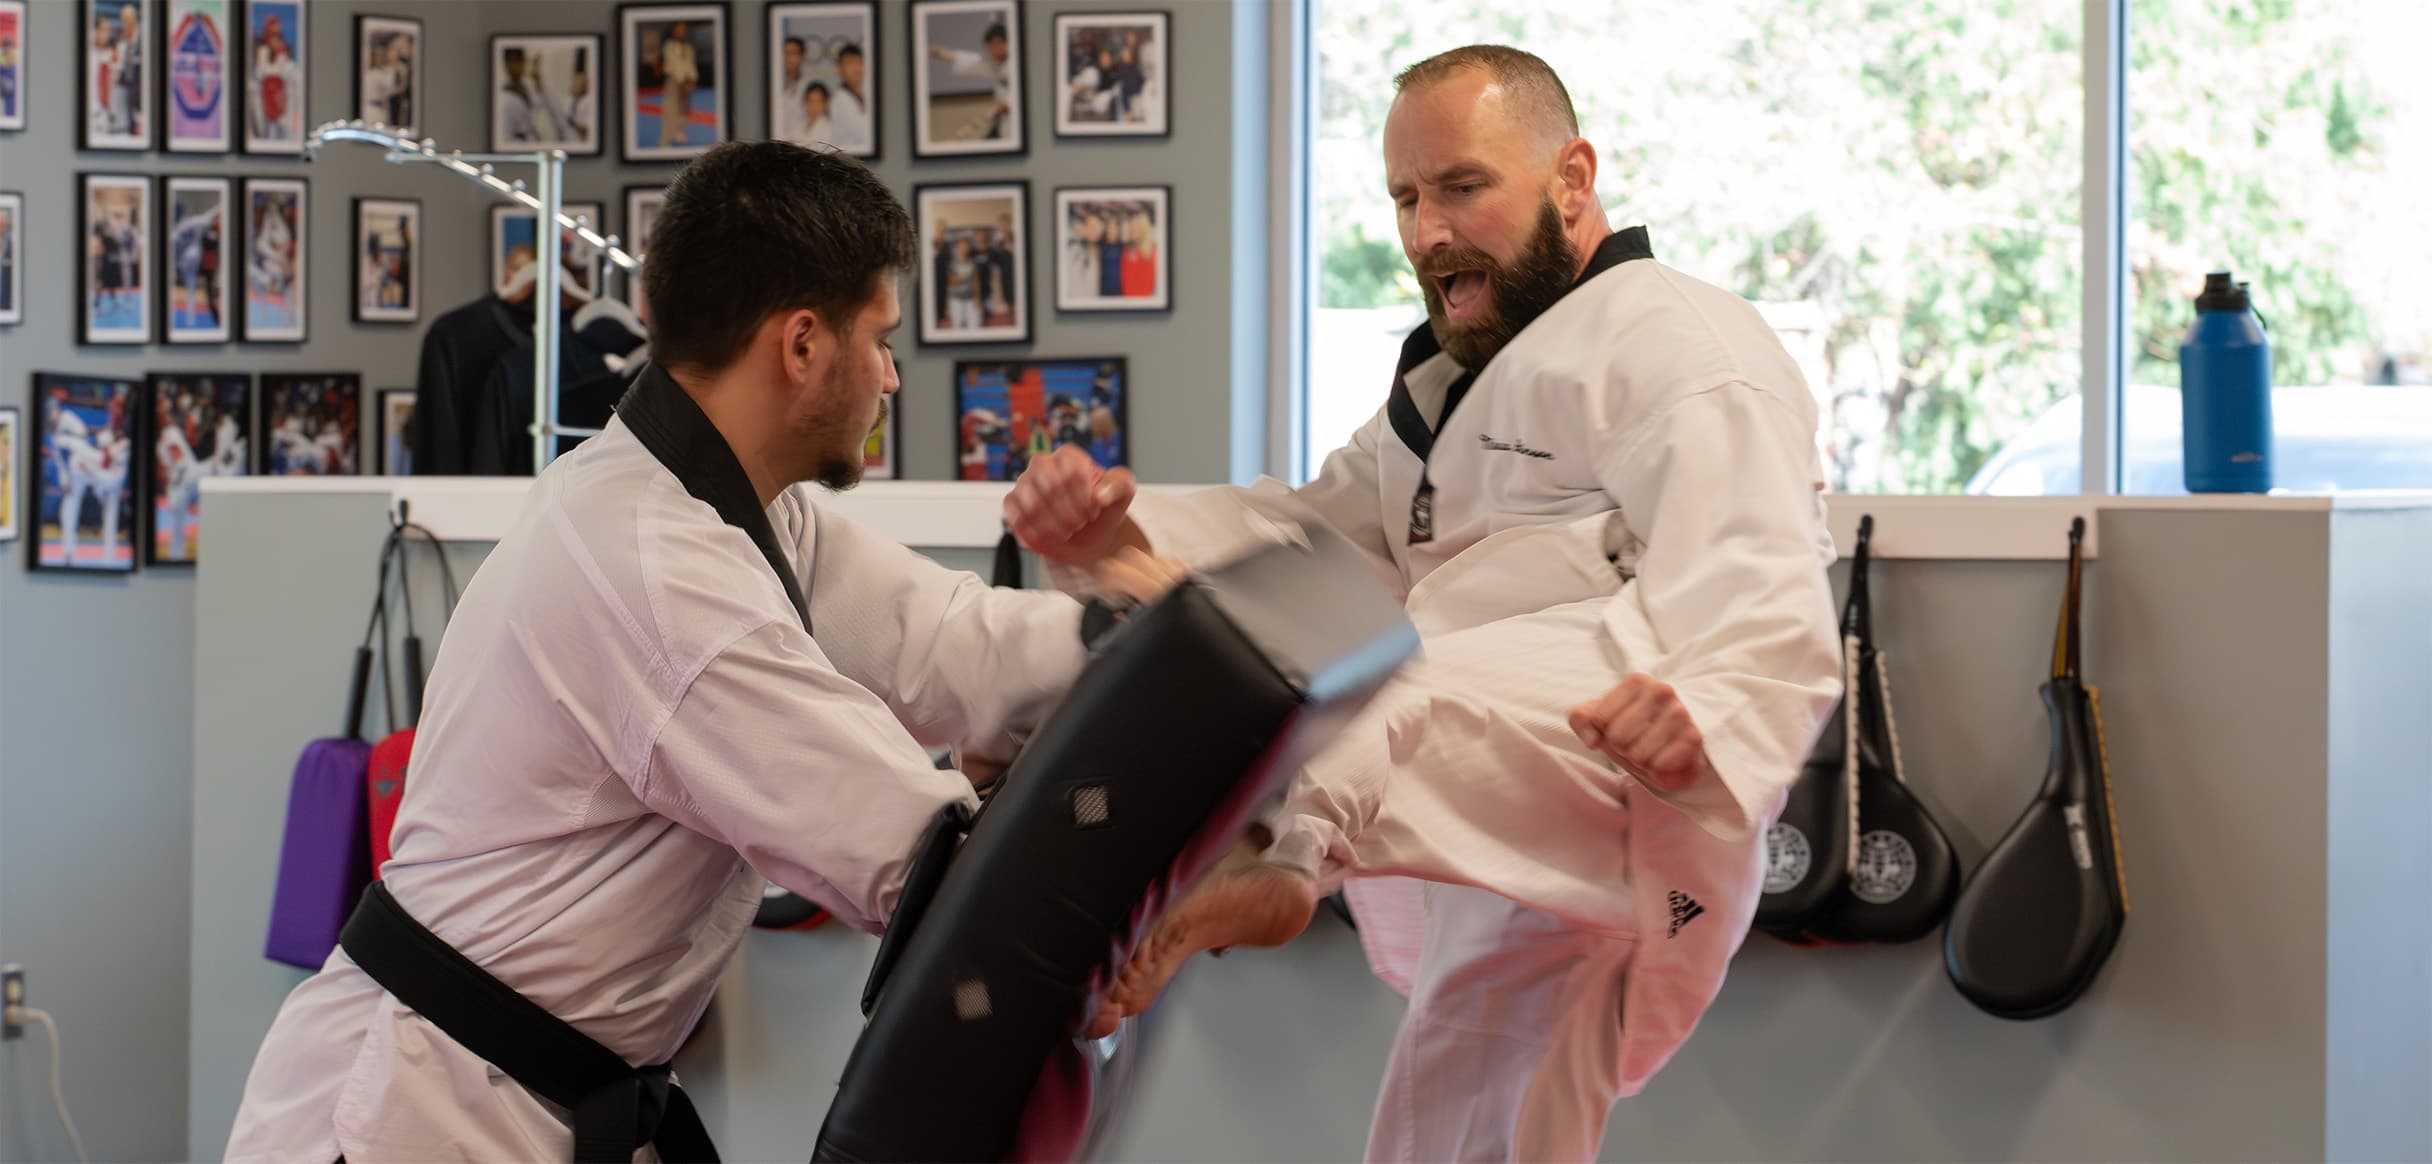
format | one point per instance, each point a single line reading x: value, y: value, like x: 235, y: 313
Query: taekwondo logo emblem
x: 1887, y: 866
x: 1787, y: 858
x: 1684, y: 910
x: 196, y: 59
x: 1423, y: 514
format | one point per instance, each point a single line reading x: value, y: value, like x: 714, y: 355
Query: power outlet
x: 12, y: 994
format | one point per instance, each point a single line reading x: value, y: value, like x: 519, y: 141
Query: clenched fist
x: 1067, y: 510
x: 1642, y: 725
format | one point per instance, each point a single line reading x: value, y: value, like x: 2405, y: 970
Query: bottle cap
x: 2221, y: 293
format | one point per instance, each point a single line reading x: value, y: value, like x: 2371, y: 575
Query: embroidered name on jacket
x: 1492, y: 445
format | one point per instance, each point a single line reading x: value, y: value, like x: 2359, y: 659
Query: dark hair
x: 795, y: 42
x: 995, y: 32
x: 819, y: 87
x: 1537, y: 92
x: 849, y: 50
x: 753, y: 228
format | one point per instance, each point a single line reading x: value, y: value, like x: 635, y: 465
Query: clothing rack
x: 549, y: 178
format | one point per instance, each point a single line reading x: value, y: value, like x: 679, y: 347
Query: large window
x: 1898, y: 188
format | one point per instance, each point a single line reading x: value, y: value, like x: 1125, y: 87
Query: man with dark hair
x: 675, y: 676
x: 995, y: 66
x: 1596, y: 485
x: 849, y: 106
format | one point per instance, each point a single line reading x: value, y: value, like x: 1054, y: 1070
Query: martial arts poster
x: 274, y: 76
x: 967, y: 85
x: 275, y: 254
x: 396, y: 432
x: 675, y: 81
x: 113, y: 77
x: 822, y: 69
x: 9, y: 428
x: 1010, y: 412
x: 200, y: 115
x: 12, y: 64
x: 514, y: 249
x: 388, y: 270
x: 199, y: 424
x: 83, y: 473
x: 545, y: 93
x: 114, y: 300
x: 195, y: 234
x: 12, y: 272
x: 310, y: 425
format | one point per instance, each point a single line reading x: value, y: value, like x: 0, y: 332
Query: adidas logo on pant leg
x: 1684, y: 909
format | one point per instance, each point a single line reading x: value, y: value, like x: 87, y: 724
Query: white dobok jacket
x: 1645, y: 447
x: 628, y: 725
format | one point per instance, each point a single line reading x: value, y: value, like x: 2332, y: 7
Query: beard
x: 1515, y: 293
x: 838, y: 435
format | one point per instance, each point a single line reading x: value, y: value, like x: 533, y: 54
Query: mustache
x: 1442, y: 263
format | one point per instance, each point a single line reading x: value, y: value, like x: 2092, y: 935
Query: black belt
x: 617, y: 1107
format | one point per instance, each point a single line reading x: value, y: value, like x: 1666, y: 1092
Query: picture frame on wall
x: 278, y: 219
x: 882, y: 454
x: 1113, y: 74
x: 196, y: 299
x: 199, y: 427
x: 12, y: 427
x: 85, y: 474
x: 676, y: 89
x: 545, y: 93
x: 967, y: 95
x: 276, y: 72
x: 823, y: 67
x: 393, y: 433
x: 198, y: 77
x: 387, y: 260
x: 1008, y: 412
x: 310, y: 424
x: 113, y: 79
x: 12, y: 66
x: 513, y: 252
x: 388, y: 72
x: 12, y: 258
x: 114, y: 280
x: 1113, y: 248
x: 974, y: 262
x: 642, y: 204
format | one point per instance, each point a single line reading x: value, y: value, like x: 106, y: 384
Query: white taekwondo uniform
x: 1631, y: 485
x: 629, y: 724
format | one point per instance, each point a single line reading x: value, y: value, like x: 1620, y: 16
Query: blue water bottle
x: 2225, y: 393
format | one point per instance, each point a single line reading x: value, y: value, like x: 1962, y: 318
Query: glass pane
x: 1894, y: 185
x: 2290, y: 143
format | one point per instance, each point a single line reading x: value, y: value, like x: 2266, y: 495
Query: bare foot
x: 1242, y: 902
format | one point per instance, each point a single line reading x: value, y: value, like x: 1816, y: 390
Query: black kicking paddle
x: 1808, y: 851
x: 2034, y: 925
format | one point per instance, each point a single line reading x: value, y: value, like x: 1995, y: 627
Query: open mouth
x: 1464, y: 294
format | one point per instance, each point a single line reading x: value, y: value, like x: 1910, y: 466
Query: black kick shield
x: 1193, y: 716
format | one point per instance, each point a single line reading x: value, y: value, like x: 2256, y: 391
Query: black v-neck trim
x: 672, y: 426
x: 1420, y: 346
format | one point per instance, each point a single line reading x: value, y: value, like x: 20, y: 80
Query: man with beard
x: 1594, y: 477
x: 675, y: 666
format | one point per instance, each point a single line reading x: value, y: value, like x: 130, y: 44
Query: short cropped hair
x: 753, y: 228
x: 1536, y: 93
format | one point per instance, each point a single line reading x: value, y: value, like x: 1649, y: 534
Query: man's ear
x: 1575, y: 178
x: 803, y: 338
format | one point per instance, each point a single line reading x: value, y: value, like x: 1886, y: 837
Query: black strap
x: 617, y: 1107
x: 1421, y: 345
x: 675, y: 430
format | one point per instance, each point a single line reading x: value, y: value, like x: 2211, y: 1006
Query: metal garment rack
x: 549, y: 177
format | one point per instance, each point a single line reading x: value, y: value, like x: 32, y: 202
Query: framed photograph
x: 198, y: 427
x: 881, y: 459
x: 12, y: 65
x: 642, y: 205
x: 544, y: 93
x: 513, y: 251
x: 1112, y: 76
x: 1111, y: 248
x: 194, y: 237
x: 198, y: 86
x: 276, y: 257
x: 10, y: 526
x: 394, y: 432
x: 12, y: 265
x: 310, y: 424
x: 113, y: 43
x: 388, y: 268
x: 388, y: 72
x: 1010, y: 411
x: 967, y: 77
x: 975, y: 262
x: 275, y: 77
x: 84, y: 473
x: 822, y: 84
x: 114, y: 282
x: 675, y: 80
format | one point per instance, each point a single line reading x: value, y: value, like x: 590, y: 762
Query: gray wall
x: 96, y: 697
x: 2204, y: 1039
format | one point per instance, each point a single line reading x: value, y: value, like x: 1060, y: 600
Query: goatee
x: 1516, y: 293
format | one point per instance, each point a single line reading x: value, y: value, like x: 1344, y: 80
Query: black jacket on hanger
x: 457, y: 354
x: 473, y: 397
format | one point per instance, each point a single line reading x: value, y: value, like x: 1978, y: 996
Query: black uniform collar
x: 672, y: 426
x: 1421, y: 346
